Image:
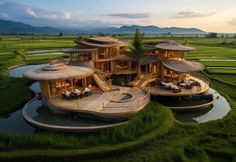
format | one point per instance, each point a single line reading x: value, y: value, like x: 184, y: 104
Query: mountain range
x: 11, y: 27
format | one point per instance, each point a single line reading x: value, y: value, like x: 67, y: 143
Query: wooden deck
x: 159, y: 91
x: 103, y: 104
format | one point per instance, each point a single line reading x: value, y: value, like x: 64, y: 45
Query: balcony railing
x: 202, y: 78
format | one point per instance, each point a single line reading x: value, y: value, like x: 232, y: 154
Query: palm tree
x: 136, y: 49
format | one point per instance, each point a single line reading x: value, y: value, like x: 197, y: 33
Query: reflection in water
x: 43, y: 115
x: 190, y: 116
x: 220, y: 108
x: 14, y: 122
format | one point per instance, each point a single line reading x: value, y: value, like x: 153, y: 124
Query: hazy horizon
x: 208, y: 15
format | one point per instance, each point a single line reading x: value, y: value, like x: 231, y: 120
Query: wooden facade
x: 106, y: 59
x: 163, y: 73
x: 50, y: 88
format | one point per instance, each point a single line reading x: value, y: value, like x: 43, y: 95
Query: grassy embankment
x: 119, y: 140
x: 212, y: 141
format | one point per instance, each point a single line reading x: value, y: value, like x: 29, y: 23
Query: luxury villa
x: 85, y: 84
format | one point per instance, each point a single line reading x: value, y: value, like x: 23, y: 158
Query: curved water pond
x: 218, y: 110
x: 14, y: 122
x: 19, y: 71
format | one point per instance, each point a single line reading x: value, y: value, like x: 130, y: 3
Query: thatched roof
x: 102, y: 45
x: 71, y: 50
x: 172, y: 46
x: 183, y: 66
x: 151, y: 45
x: 103, y: 39
x: 149, y: 59
x: 58, y: 71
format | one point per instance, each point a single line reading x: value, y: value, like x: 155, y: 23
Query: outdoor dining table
x: 77, y: 91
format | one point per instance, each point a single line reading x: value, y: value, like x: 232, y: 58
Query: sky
x: 208, y: 15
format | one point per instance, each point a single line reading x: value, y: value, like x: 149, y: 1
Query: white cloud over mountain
x: 38, y: 16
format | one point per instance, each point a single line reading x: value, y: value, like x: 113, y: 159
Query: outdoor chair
x: 165, y: 86
x: 86, y: 93
x: 196, y: 83
x: 65, y: 97
x: 75, y: 95
x: 188, y: 87
x: 176, y: 90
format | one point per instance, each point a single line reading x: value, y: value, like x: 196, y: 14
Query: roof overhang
x: 71, y: 50
x: 47, y: 73
x: 149, y: 60
x: 183, y: 66
x: 174, y: 47
x: 102, y: 45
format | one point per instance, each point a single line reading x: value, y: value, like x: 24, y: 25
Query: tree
x: 136, y: 49
x: 60, y: 34
x: 211, y: 35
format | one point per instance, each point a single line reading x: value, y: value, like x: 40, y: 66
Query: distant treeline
x: 25, y: 36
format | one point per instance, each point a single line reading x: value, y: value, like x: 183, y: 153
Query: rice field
x: 154, y: 135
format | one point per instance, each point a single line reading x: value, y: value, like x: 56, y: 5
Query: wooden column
x: 85, y: 81
x: 44, y: 86
x: 72, y: 83
x: 130, y: 65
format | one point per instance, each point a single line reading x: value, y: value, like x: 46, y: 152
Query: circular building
x: 57, y: 79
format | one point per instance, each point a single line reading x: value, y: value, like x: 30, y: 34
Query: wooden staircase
x: 102, y: 82
x: 144, y: 81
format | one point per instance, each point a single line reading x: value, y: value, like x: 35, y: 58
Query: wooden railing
x: 202, y: 78
x: 143, y: 100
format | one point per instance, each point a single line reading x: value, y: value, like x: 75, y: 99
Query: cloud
x: 3, y: 16
x: 36, y: 16
x: 40, y: 16
x: 67, y: 15
x: 131, y: 15
x: 31, y: 12
x: 191, y: 14
x: 232, y: 21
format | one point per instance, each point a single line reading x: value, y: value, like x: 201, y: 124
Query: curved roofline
x: 172, y: 46
x: 94, y: 44
x: 68, y: 50
x: 46, y: 73
x: 103, y: 39
x: 183, y: 66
